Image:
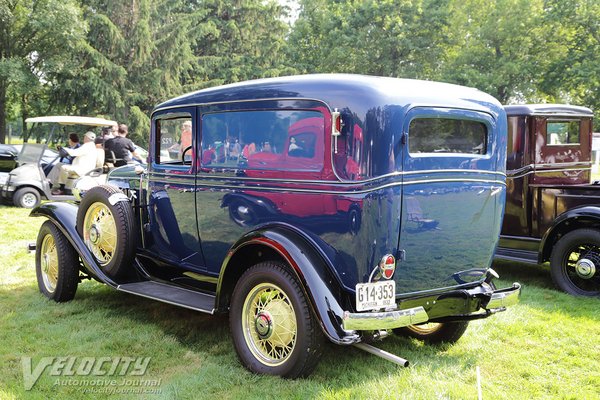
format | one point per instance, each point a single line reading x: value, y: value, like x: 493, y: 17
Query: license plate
x: 375, y: 295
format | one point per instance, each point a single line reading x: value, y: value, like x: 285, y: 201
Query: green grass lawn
x: 548, y: 346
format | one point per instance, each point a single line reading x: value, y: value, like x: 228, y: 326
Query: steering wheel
x: 185, y: 151
x: 62, y: 152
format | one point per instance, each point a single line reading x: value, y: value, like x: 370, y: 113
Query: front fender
x: 583, y: 214
x: 310, y: 266
x: 64, y: 216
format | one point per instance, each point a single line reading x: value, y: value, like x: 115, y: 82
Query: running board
x: 382, y: 353
x: 171, y: 294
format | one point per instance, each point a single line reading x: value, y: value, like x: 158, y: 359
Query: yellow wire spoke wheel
x: 100, y: 232
x: 49, y: 263
x: 269, y: 324
x: 273, y: 329
x: 56, y: 264
x: 107, y: 225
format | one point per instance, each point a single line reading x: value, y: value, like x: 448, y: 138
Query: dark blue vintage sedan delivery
x: 328, y: 206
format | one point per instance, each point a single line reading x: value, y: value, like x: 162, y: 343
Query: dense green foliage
x: 119, y: 59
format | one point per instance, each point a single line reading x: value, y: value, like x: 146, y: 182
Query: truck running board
x: 172, y: 295
x: 382, y: 353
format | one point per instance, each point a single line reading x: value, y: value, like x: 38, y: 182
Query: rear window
x: 446, y: 135
x: 562, y: 132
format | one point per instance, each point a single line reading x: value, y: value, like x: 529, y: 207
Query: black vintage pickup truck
x: 552, y: 209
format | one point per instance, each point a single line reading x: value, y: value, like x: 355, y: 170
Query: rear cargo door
x: 449, y: 217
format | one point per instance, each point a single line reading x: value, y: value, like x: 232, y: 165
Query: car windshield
x: 31, y: 153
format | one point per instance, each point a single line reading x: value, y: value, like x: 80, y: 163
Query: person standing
x: 121, y: 147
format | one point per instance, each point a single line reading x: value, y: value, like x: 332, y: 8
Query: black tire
x: 289, y: 344
x: 575, y: 263
x: 56, y: 264
x: 435, y: 332
x: 26, y: 197
x: 108, y: 229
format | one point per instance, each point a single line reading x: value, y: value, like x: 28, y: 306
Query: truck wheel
x: 272, y: 326
x: 575, y: 263
x: 435, y: 332
x: 106, y: 223
x: 56, y: 264
x: 26, y: 197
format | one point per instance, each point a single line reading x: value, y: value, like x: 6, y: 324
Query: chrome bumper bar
x: 368, y: 321
x: 384, y: 320
x: 504, y: 297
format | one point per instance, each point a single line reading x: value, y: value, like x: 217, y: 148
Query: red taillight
x: 387, y: 266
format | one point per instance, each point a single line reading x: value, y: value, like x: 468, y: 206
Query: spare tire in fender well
x: 106, y: 223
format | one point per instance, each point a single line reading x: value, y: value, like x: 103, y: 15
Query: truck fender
x: 308, y: 263
x: 64, y: 216
x: 584, y: 217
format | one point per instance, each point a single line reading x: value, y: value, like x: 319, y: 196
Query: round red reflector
x: 388, y: 266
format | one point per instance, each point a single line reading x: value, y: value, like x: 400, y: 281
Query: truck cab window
x: 562, y: 132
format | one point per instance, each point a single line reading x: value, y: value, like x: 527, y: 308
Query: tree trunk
x: 24, y: 116
x: 2, y: 112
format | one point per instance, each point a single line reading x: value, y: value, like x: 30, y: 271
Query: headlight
x: 3, y: 179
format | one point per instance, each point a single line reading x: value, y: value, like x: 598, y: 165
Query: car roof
x: 343, y: 91
x: 72, y: 120
x: 548, y: 109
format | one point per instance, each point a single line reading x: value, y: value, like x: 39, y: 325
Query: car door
x: 172, y: 227
x: 450, y: 198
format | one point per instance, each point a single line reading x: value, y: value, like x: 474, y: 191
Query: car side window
x: 269, y: 139
x: 174, y: 139
x: 447, y: 135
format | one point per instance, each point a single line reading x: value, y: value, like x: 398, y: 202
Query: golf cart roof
x: 72, y: 120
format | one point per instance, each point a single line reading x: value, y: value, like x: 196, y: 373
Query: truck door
x: 172, y: 230
x: 451, y: 198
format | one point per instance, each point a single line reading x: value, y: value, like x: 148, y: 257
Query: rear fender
x: 64, y: 216
x: 307, y: 262
x: 576, y: 218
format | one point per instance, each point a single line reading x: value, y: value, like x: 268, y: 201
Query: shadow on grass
x: 539, y: 291
x: 340, y: 368
x: 528, y: 274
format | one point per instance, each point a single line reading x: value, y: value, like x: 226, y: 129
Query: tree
x: 241, y: 40
x: 501, y: 47
x: 36, y: 38
x: 574, y: 75
x: 380, y: 37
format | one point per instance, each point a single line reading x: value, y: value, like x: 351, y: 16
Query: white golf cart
x: 27, y: 184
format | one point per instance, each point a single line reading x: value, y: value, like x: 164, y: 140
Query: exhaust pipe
x: 382, y: 353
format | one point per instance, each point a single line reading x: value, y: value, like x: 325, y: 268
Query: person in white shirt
x: 83, y: 162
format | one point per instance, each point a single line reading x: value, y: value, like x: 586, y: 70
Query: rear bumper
x: 479, y: 302
x: 7, y: 191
